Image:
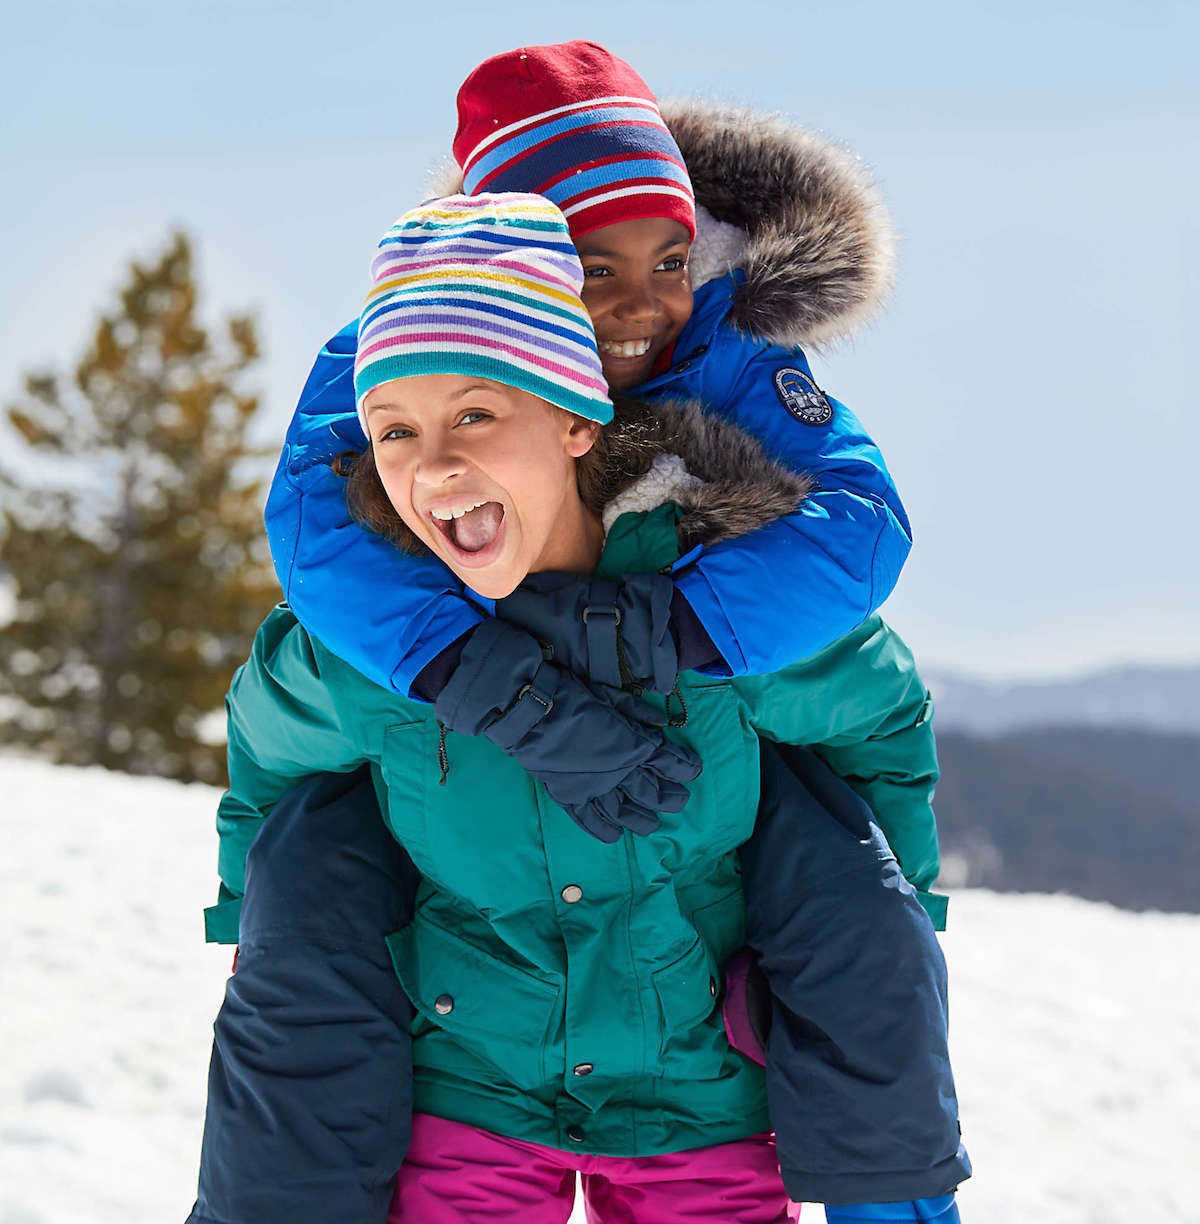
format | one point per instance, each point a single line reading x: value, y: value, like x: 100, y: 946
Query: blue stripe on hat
x: 511, y: 146
x: 580, y: 148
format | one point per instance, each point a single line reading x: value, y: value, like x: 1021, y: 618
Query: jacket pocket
x: 409, y: 757
x: 721, y: 924
x: 492, y: 1010
x: 687, y: 992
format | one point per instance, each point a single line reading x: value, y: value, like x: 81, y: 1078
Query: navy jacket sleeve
x: 401, y: 610
x: 793, y: 587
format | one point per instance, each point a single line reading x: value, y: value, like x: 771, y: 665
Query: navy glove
x: 614, y: 633
x: 597, y: 758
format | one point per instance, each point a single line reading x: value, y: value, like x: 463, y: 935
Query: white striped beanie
x: 486, y: 286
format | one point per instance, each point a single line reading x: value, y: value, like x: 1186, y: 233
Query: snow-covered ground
x: 1076, y: 1026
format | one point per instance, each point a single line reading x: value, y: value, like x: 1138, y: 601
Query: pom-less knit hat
x: 486, y: 286
x: 576, y: 124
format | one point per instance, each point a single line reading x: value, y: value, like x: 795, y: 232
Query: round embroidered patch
x: 802, y: 397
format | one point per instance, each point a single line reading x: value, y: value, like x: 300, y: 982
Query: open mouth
x: 473, y: 532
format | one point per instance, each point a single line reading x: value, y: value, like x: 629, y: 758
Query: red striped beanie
x: 574, y: 123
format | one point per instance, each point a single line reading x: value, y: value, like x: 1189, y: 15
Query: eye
x: 596, y: 272
x: 673, y: 263
x: 396, y: 432
x: 474, y: 415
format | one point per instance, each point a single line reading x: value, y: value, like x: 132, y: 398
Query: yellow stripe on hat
x: 477, y: 216
x: 387, y: 286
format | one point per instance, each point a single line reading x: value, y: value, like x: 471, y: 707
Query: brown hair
x: 623, y: 450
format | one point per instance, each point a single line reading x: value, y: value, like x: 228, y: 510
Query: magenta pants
x: 457, y: 1174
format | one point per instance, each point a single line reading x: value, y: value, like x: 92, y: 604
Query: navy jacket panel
x: 310, y: 1083
x: 859, y: 1083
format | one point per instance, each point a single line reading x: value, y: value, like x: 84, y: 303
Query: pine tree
x: 131, y: 537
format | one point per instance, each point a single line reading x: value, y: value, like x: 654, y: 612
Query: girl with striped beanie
x: 566, y: 990
x: 475, y: 306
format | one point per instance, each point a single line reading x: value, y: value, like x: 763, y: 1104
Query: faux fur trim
x: 820, y: 255
x: 737, y: 487
x: 718, y: 248
x: 819, y: 251
x: 666, y: 480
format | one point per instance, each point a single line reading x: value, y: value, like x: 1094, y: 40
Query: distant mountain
x: 1110, y: 814
x: 1165, y: 698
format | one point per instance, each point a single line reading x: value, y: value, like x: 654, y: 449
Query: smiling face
x: 484, y: 475
x: 637, y: 290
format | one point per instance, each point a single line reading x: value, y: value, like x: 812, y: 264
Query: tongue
x: 477, y: 528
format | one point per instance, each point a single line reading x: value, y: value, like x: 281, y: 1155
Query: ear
x: 581, y: 435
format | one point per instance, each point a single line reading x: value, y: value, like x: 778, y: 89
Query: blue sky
x: 1030, y: 383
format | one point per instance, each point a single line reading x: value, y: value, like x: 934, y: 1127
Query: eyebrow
x: 471, y: 389
x: 605, y: 254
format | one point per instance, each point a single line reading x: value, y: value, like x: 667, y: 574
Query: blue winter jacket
x: 806, y: 224
x: 765, y: 600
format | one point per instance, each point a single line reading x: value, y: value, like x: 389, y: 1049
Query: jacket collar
x: 720, y: 478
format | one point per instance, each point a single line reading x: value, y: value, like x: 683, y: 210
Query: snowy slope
x: 1076, y: 1026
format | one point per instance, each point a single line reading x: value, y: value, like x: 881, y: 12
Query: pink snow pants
x: 457, y: 1174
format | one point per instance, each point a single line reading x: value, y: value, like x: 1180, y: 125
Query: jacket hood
x: 819, y: 250
x: 797, y: 214
x: 723, y: 481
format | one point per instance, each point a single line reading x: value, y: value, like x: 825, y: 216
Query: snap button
x: 574, y: 1134
x: 443, y: 1005
x: 683, y: 365
x: 712, y: 987
x: 572, y: 893
x: 585, y: 1069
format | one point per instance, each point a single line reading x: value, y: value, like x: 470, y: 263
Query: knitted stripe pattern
x: 486, y: 286
x: 576, y: 124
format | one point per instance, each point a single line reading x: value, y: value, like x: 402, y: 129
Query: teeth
x: 457, y: 512
x: 624, y: 348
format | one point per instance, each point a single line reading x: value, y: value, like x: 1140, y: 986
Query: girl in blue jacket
x: 790, y: 245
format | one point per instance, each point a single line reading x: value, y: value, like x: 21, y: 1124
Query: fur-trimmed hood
x: 720, y: 477
x: 819, y: 251
x: 799, y: 215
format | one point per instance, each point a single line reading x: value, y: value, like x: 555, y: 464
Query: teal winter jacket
x: 565, y: 989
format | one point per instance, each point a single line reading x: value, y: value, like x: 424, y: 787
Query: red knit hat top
x: 574, y: 123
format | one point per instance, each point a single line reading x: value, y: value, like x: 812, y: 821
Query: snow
x: 1075, y: 1025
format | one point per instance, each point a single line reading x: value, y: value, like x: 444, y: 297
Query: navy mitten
x: 614, y: 633
x: 601, y: 756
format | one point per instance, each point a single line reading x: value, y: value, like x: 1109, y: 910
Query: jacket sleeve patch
x: 802, y: 397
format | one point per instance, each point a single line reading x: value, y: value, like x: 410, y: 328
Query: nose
x: 639, y: 302
x: 438, y: 461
